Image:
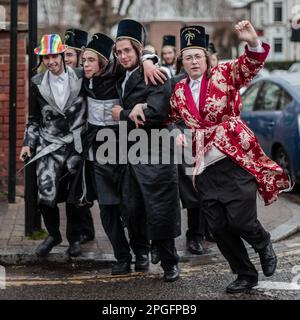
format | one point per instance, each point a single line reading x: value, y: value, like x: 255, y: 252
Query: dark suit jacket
x: 156, y: 97
x: 149, y: 187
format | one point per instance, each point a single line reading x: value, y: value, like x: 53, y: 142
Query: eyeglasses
x: 197, y: 57
x: 125, y: 51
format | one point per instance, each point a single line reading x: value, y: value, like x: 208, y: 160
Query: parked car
x: 279, y: 73
x: 271, y: 108
x: 295, y: 67
x: 262, y: 73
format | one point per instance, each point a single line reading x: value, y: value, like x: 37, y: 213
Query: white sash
x: 99, y: 111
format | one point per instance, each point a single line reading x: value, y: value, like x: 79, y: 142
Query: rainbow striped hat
x: 50, y: 44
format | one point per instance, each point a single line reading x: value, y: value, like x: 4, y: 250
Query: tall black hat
x: 132, y: 30
x: 212, y: 48
x: 76, y: 39
x: 169, y: 40
x: 101, y: 44
x: 193, y: 37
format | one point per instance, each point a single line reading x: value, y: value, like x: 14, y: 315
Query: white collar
x: 63, y: 76
x: 192, y: 82
x: 129, y: 73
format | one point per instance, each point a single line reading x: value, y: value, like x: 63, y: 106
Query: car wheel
x: 282, y: 159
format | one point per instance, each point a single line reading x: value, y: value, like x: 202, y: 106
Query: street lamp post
x: 32, y: 214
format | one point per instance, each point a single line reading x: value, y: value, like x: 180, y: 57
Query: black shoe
x: 268, y: 260
x: 84, y: 238
x: 141, y: 262
x: 172, y: 274
x: 120, y: 267
x: 74, y: 249
x: 241, y: 285
x: 155, y: 257
x: 46, y: 246
x: 194, y: 247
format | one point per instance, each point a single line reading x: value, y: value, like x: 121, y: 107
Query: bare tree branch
x: 46, y: 13
x: 120, y: 6
x: 128, y: 7
x: 102, y: 16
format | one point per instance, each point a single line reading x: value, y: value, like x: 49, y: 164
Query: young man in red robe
x: 230, y: 164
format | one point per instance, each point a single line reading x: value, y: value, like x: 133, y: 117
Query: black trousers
x: 135, y: 218
x: 87, y: 223
x: 228, y: 199
x: 70, y: 186
x: 51, y: 220
x: 196, y: 224
x: 167, y: 252
x: 140, y: 244
x: 113, y: 227
x: 137, y: 232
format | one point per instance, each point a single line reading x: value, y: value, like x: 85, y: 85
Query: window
x: 277, y: 11
x: 2, y: 17
x: 278, y: 45
x: 249, y: 97
x: 269, y: 97
x: 261, y: 16
x: 285, y: 100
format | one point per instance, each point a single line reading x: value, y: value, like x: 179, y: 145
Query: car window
x: 249, y: 97
x: 269, y: 97
x: 285, y: 100
x: 295, y: 67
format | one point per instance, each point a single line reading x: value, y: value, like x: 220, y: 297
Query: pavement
x: 281, y: 219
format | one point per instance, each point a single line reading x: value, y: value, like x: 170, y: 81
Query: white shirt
x: 128, y: 74
x: 259, y: 48
x: 195, y: 86
x: 91, y: 85
x: 60, y: 88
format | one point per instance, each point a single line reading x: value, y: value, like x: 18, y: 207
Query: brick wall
x: 4, y: 103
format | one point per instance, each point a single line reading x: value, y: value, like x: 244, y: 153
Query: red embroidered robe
x: 219, y: 120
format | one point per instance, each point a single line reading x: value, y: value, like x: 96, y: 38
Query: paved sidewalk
x: 281, y: 219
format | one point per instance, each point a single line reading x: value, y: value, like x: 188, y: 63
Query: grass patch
x: 38, y: 235
x: 3, y: 196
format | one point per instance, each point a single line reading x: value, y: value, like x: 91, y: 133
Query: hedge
x: 283, y: 65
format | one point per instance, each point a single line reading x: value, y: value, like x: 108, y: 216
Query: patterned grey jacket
x: 54, y: 135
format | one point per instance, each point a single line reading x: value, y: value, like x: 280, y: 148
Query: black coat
x: 150, y: 187
x: 101, y: 179
x: 188, y: 194
x: 177, y: 78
